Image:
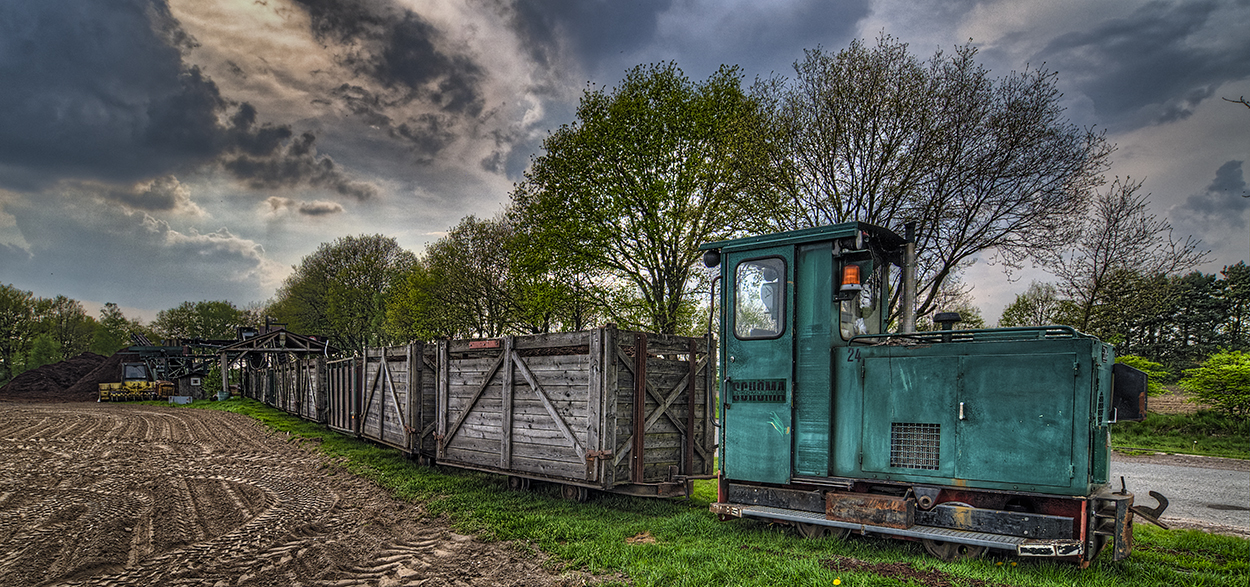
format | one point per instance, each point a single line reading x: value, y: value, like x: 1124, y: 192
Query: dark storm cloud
x: 163, y: 194
x: 606, y: 38
x: 399, y: 48
x: 1154, y: 65
x: 97, y: 90
x: 269, y: 157
x: 596, y: 29
x: 1224, y: 202
x: 320, y: 208
x: 404, y: 53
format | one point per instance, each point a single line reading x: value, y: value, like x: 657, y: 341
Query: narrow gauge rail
x: 603, y: 409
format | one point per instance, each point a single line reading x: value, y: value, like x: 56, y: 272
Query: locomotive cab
x: 964, y: 439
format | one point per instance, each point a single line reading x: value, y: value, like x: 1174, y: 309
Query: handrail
x: 976, y: 335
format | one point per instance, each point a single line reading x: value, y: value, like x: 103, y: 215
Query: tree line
x: 605, y: 224
x: 37, y: 331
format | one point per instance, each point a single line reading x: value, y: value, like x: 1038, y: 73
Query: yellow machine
x: 136, y: 384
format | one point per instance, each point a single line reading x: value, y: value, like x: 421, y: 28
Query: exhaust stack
x: 907, y: 321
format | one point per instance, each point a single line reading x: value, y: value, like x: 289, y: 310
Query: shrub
x: 1155, y: 373
x: 1222, y: 381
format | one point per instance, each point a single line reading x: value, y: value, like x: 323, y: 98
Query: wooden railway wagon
x: 604, y: 409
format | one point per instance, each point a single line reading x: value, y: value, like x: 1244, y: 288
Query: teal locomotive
x: 965, y: 440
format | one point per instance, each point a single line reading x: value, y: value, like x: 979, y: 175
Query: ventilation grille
x: 915, y: 446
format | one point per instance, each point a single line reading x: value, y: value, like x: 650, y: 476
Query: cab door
x: 757, y: 392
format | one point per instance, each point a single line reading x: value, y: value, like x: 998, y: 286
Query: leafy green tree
x: 874, y: 134
x: 45, y: 349
x: 1223, y: 381
x: 340, y: 290
x: 17, y: 309
x: 1236, y: 294
x: 67, y: 323
x: 113, y: 330
x: 205, y: 319
x: 1039, y: 305
x: 1155, y: 373
x: 647, y: 173
x: 481, y: 281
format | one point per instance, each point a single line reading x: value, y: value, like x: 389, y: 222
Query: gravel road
x: 1206, y: 493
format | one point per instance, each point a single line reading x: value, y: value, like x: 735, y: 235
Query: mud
x: 102, y: 494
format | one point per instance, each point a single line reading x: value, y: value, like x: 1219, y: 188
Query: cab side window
x: 759, y: 298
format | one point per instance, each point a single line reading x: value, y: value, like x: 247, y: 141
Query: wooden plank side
x: 386, y: 389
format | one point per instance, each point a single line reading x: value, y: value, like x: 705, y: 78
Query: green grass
x: 692, y: 547
x: 1206, y: 433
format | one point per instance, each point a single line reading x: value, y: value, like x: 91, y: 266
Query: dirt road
x: 98, y: 494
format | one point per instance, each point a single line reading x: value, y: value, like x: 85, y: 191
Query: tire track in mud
x: 106, y: 494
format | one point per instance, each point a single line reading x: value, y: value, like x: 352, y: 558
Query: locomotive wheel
x: 574, y: 493
x: 813, y: 531
x: 952, y: 551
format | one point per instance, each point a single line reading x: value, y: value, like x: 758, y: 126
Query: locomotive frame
x: 965, y: 440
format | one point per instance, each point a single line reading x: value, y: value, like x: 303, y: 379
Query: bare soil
x: 103, y: 494
x: 59, y: 382
x: 1174, y: 401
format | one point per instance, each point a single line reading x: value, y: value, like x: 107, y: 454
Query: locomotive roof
x: 883, y: 238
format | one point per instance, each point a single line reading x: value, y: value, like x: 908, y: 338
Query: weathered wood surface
x: 343, y: 384
x: 571, y: 415
x: 386, y: 406
x: 523, y: 414
x: 555, y: 406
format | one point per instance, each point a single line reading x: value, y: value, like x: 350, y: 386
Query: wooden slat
x: 505, y: 424
x: 538, y: 389
x: 469, y: 408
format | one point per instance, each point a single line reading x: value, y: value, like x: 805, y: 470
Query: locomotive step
x: 1021, y: 546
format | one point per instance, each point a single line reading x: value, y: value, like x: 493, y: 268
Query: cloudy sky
x: 158, y: 151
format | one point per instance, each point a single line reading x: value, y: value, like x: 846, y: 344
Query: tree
x: 340, y: 290
x: 481, y: 280
x: 1236, y: 293
x: 1039, y: 305
x: 647, y: 173
x: 874, y: 134
x: 1119, y: 240
x: 67, y: 323
x: 206, y: 320
x: 17, y: 308
x: 113, y: 330
x: 1222, y: 381
x: 1155, y: 373
x: 44, y: 350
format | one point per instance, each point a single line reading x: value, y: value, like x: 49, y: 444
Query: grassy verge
x: 678, y: 542
x: 1206, y: 433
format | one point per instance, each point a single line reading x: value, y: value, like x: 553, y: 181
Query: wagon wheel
x: 813, y: 531
x: 952, y: 551
x: 574, y: 493
x: 518, y: 483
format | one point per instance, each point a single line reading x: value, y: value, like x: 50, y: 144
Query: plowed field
x: 95, y: 494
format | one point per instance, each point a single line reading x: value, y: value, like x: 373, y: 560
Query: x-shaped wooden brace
x: 664, y: 403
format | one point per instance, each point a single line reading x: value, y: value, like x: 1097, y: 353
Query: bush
x: 1222, y: 381
x: 1155, y: 373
